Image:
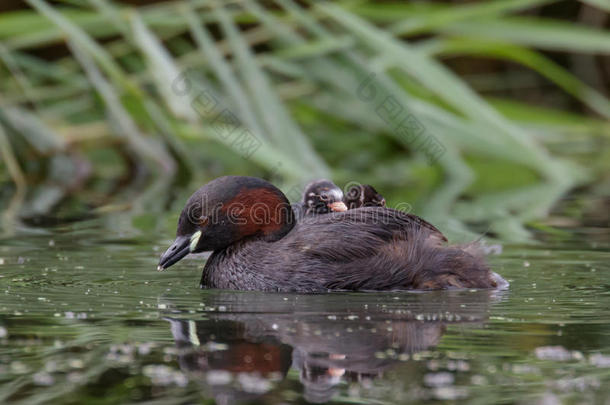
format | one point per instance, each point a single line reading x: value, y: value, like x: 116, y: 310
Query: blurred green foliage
x: 106, y: 107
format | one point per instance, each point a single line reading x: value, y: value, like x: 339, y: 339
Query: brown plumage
x: 369, y: 248
x: 363, y: 195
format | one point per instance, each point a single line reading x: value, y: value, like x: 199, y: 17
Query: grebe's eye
x: 203, y: 220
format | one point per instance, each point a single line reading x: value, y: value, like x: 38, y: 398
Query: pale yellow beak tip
x: 338, y: 206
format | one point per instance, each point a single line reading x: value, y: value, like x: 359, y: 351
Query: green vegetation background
x: 107, y: 108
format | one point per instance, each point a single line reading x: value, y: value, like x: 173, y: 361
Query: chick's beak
x: 337, y: 206
x: 178, y: 249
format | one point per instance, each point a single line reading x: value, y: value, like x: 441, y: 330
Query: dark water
x: 85, y: 318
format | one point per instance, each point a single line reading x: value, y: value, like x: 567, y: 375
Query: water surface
x: 85, y: 318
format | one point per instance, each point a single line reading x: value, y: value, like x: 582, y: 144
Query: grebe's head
x: 323, y: 196
x: 227, y: 210
x: 363, y: 195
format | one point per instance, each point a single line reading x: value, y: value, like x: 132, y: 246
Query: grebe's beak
x: 337, y: 206
x: 178, y: 249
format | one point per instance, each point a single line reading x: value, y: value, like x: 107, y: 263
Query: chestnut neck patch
x: 260, y: 211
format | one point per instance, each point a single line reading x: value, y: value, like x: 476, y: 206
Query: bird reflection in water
x: 245, y: 351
